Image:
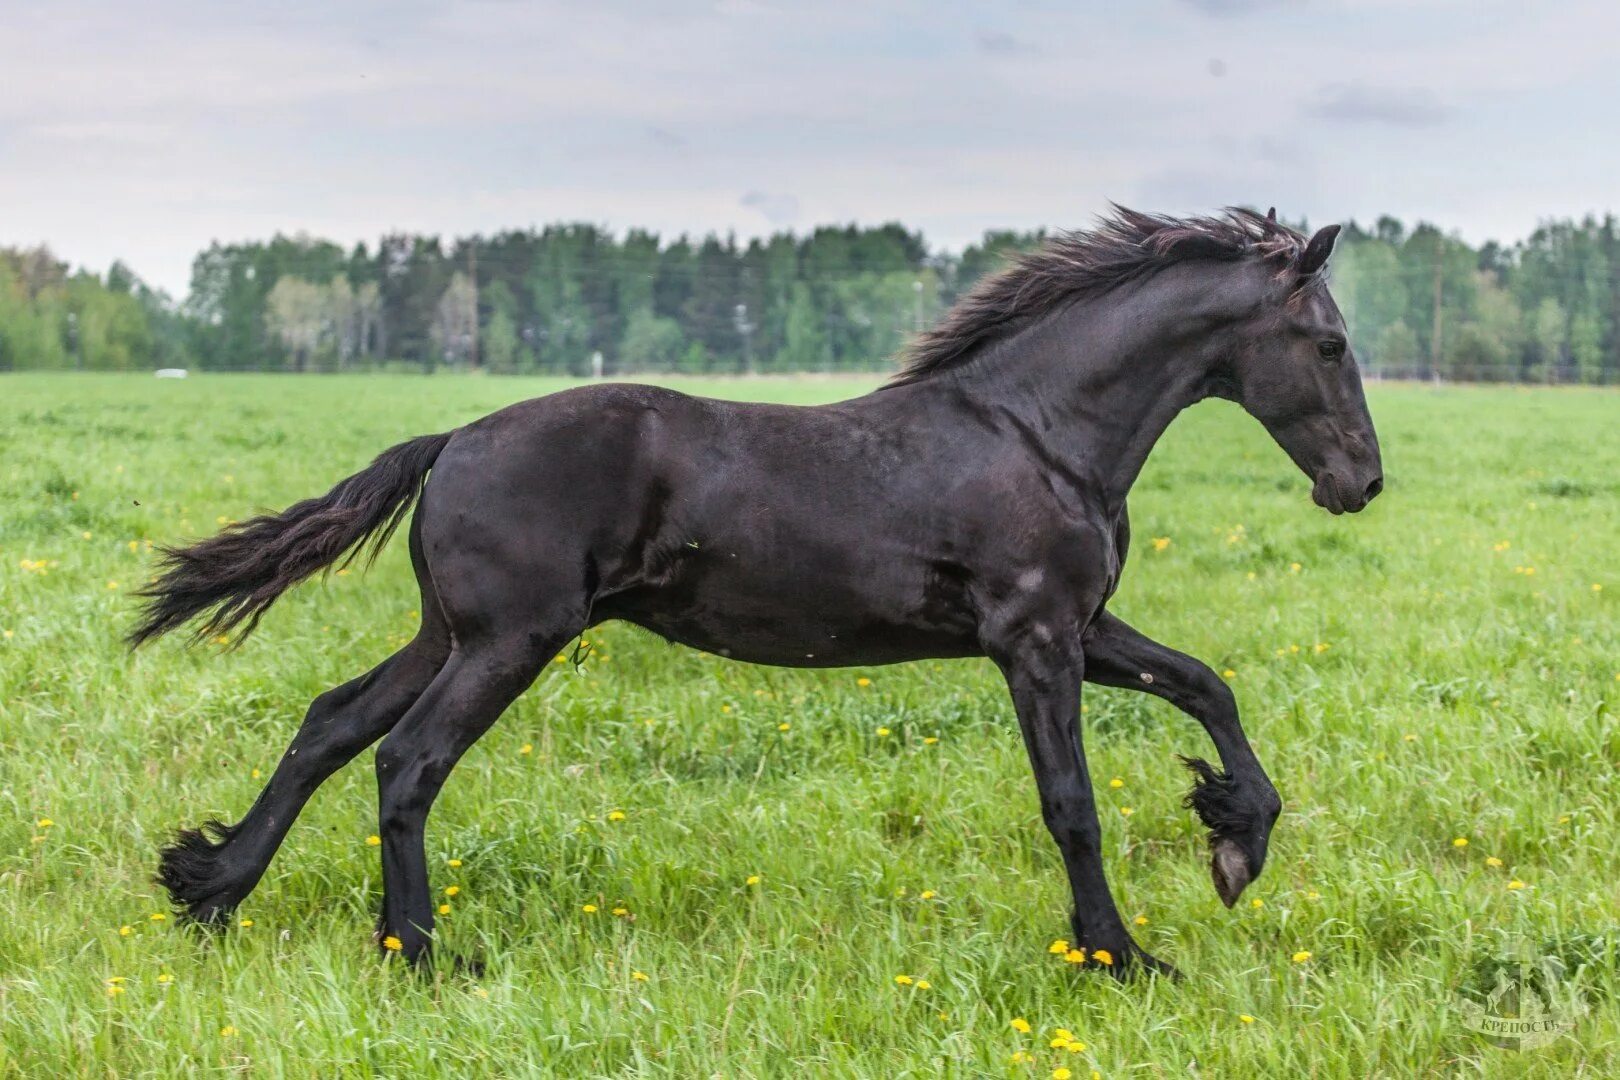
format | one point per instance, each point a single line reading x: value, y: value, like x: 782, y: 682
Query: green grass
x: 1458, y: 696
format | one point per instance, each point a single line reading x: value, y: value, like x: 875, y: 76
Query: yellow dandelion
x: 639, y: 976
x: 784, y: 726
x: 1140, y: 920
x: 725, y: 708
x: 1058, y: 947
x: 883, y: 732
x: 1076, y: 1047
x: 374, y: 841
x: 157, y: 916
x: 1246, y: 1018
x: 479, y: 991
x: 615, y: 815
x: 1493, y: 861
x: 1257, y: 903
x: 1058, y: 1043
x: 930, y: 740
x: 1597, y: 587
x: 1228, y: 674
x: 1021, y: 1058
x: 1313, y: 895
x: 165, y: 978
x: 752, y: 879
x: 1294, y: 568
x: 392, y: 943
x: 1301, y: 956
x: 1409, y: 738
x: 924, y: 984
x: 903, y: 980
x: 1127, y: 810
x: 1515, y: 884
x: 444, y: 909
x: 927, y: 894
x: 454, y: 864
x: 254, y: 773
x: 1460, y: 842
x: 1160, y: 543
x: 1061, y: 1073
x: 1075, y: 956
x: 621, y: 911
x: 125, y: 931
x: 1063, y: 1034
x: 863, y: 681
x: 1020, y: 1025
x: 589, y: 909
x: 1563, y: 819
x: 112, y: 584
x: 526, y: 748
x: 1103, y: 956
x: 1320, y: 647
x: 1117, y: 782
x: 227, y: 1031
x: 86, y: 535
x: 245, y: 923
x: 113, y: 990
x: 44, y: 823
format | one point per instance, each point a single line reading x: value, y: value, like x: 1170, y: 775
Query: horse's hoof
x: 211, y: 913
x: 1229, y: 869
x: 1132, y: 961
x: 1142, y: 962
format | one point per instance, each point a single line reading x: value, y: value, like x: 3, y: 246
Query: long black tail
x: 233, y: 578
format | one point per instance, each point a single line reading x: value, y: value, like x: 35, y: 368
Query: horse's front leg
x: 1238, y: 804
x: 1045, y: 683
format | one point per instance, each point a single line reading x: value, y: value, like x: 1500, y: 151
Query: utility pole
x: 1435, y: 342
x: 745, y: 330
x: 472, y: 276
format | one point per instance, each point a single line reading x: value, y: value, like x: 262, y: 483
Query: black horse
x: 973, y: 506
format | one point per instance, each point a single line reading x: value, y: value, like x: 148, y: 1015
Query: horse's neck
x: 1099, y: 383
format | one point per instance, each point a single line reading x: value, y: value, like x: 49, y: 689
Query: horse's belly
x: 794, y: 646
x: 798, y: 623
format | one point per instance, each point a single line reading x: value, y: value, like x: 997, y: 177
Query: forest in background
x: 579, y: 299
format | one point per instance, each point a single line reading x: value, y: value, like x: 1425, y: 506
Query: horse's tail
x: 232, y: 578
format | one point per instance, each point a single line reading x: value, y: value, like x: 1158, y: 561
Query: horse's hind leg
x: 482, y: 677
x: 208, y: 871
x: 207, y: 876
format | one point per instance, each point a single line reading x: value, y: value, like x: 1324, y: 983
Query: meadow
x: 675, y: 865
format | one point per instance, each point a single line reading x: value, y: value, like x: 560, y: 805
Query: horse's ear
x: 1317, y: 251
x: 1271, y: 215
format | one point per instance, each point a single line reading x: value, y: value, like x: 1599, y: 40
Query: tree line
x: 577, y: 299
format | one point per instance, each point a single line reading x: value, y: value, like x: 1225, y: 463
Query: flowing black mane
x: 1124, y: 246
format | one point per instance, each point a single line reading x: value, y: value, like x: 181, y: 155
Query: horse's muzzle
x: 1338, y: 497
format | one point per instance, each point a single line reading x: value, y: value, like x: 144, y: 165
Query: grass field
x: 1443, y: 667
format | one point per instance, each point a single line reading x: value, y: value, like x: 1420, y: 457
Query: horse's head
x: 1294, y: 371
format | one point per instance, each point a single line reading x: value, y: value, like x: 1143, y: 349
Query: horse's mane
x: 1124, y: 246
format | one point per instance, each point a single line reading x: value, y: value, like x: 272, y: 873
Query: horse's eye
x: 1330, y: 350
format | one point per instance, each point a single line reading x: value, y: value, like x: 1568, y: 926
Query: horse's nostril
x: 1374, y: 488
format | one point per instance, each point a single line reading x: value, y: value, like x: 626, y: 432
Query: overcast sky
x: 146, y: 130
